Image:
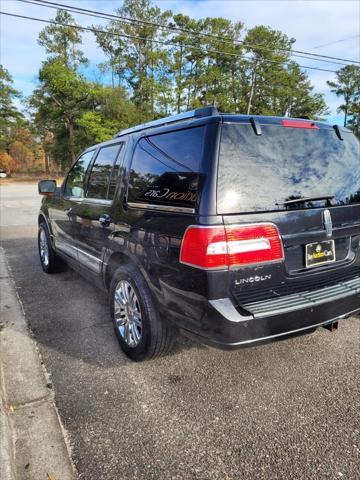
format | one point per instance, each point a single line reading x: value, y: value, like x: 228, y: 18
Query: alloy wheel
x: 44, y: 248
x: 127, y: 313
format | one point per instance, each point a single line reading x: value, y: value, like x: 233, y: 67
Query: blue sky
x: 313, y: 23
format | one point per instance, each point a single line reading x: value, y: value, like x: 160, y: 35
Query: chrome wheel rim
x: 44, y: 248
x: 127, y: 314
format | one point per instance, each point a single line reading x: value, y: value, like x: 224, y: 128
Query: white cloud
x: 311, y: 22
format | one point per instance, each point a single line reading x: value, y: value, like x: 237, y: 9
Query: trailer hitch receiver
x: 332, y: 327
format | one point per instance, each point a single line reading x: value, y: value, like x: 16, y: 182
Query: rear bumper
x: 225, y: 326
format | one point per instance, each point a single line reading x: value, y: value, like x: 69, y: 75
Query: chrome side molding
x: 161, y: 208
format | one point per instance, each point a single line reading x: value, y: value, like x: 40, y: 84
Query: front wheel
x: 141, y: 333
x: 48, y: 259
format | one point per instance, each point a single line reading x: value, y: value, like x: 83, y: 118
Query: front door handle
x: 105, y: 220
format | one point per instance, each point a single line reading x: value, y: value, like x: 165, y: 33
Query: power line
x: 336, y: 41
x: 110, y: 16
x: 168, y: 27
x: 177, y: 45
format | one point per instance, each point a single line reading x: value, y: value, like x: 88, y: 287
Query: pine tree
x: 10, y: 116
x: 347, y: 85
x: 61, y: 41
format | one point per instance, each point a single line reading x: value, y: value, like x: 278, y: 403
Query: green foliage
x: 114, y: 104
x: 354, y: 117
x: 61, y: 98
x: 137, y: 61
x: 206, y: 70
x: 204, y: 64
x: 95, y: 128
x: 277, y: 85
x: 155, y: 72
x: 347, y: 85
x: 61, y: 41
x: 77, y: 112
x: 10, y: 117
x: 112, y: 111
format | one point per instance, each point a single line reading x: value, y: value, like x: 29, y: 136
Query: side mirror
x: 47, y: 187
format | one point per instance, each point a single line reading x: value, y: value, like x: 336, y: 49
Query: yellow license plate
x: 319, y: 253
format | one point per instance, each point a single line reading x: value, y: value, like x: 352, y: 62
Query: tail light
x: 228, y: 246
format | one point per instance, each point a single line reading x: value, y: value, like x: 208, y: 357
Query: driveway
x: 287, y: 410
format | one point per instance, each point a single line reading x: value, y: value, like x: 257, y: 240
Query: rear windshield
x: 261, y: 173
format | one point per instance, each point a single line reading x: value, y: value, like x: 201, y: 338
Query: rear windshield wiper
x: 308, y: 199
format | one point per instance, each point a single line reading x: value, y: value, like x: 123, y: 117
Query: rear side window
x: 260, y: 173
x: 165, y: 168
x: 103, y: 176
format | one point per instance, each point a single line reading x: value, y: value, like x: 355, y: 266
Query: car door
x: 94, y: 215
x: 62, y: 207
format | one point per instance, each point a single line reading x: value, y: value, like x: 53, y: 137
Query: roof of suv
x: 211, y: 114
x: 212, y: 111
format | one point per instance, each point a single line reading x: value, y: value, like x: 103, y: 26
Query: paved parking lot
x: 288, y: 410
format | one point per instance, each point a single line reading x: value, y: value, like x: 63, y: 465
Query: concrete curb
x: 32, y: 442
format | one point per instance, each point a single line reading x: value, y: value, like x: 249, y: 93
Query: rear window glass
x: 165, y: 168
x: 260, y: 173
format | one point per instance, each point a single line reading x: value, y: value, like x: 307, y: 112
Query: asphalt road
x: 287, y: 410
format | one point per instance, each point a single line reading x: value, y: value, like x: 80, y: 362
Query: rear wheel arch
x: 120, y: 258
x: 113, y: 263
x: 156, y: 336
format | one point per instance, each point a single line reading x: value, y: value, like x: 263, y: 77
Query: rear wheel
x: 49, y: 262
x: 141, y: 333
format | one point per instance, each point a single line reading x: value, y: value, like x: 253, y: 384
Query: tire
x: 49, y: 262
x: 142, y: 335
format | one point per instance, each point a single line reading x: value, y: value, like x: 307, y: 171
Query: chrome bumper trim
x: 307, y: 299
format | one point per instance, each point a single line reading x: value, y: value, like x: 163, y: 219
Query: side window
x: 104, y: 170
x: 165, y: 168
x: 75, y: 180
x: 114, y: 176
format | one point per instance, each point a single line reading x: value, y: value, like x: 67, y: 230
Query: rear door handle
x: 105, y: 220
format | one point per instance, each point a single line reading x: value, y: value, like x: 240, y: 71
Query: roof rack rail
x: 180, y: 117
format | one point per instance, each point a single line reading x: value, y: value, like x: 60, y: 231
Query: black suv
x: 232, y: 229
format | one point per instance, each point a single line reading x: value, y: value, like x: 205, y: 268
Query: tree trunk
x: 180, y: 82
x: 189, y: 88
x: 152, y: 99
x: 233, y: 92
x: 70, y: 129
x: 47, y: 163
x: 252, y: 89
